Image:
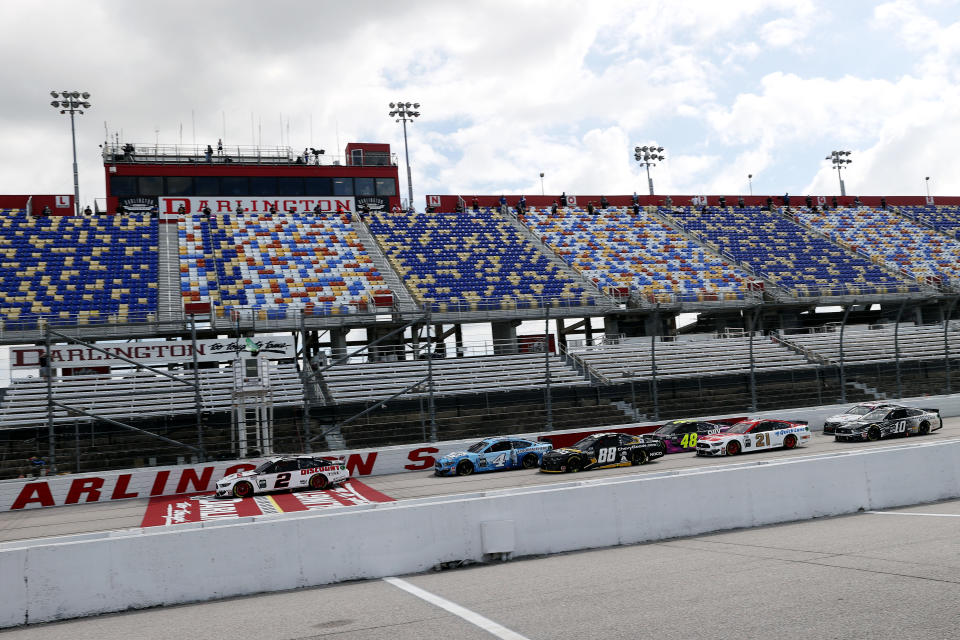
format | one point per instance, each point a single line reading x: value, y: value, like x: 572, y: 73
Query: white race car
x: 751, y: 435
x: 286, y: 472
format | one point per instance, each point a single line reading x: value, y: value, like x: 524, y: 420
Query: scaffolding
x: 252, y: 407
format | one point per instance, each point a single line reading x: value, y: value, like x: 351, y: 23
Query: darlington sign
x: 275, y: 347
x: 336, y: 204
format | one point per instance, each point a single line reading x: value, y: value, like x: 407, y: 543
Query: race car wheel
x: 640, y: 457
x: 318, y: 481
x: 733, y: 448
x: 873, y: 433
x: 790, y: 441
x: 924, y: 428
x: 529, y: 461
x: 574, y: 464
x: 465, y: 468
x: 242, y: 490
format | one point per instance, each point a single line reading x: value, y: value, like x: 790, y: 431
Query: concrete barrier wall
x: 53, y: 580
x: 161, y: 481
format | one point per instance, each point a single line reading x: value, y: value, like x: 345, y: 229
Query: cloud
x: 508, y: 89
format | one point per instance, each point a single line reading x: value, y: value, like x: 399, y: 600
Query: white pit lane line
x: 473, y: 618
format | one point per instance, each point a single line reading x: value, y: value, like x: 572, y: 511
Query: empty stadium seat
x: 472, y: 261
x: 618, y: 250
x: 77, y: 270
x: 301, y: 262
x: 787, y: 254
x: 893, y: 240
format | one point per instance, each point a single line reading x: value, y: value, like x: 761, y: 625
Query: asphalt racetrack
x: 125, y: 514
x: 892, y: 574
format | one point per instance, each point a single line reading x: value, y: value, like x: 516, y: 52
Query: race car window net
x: 586, y: 443
x: 858, y: 411
x: 477, y: 447
x: 741, y: 427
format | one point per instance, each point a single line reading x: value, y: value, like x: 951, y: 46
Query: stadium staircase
x: 713, y: 249
x: 863, y: 389
x: 169, y: 300
x: 603, y: 300
x: 404, y: 300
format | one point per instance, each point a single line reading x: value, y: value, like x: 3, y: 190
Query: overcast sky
x: 508, y: 89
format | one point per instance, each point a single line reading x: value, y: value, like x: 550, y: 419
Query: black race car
x: 602, y: 451
x: 890, y: 421
x: 682, y: 435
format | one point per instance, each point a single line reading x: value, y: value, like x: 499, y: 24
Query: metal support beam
x: 198, y: 401
x: 548, y: 395
x: 945, y: 318
x: 896, y: 346
x: 843, y: 374
x: 122, y: 425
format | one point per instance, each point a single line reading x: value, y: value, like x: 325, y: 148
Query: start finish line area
x: 204, y: 507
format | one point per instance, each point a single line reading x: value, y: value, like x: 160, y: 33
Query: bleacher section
x: 631, y: 359
x: 638, y: 253
x: 787, y: 254
x: 275, y: 264
x: 922, y: 253
x: 472, y: 261
x: 375, y: 381
x: 76, y: 270
x: 866, y: 346
x: 137, y: 395
x: 945, y: 219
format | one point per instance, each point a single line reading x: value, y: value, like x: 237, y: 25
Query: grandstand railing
x: 234, y: 154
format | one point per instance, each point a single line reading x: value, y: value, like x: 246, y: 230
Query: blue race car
x: 492, y: 454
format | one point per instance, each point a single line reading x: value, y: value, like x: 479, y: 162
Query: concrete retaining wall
x: 53, y: 580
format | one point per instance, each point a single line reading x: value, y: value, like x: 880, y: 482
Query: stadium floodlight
x: 840, y: 160
x: 750, y: 182
x: 403, y: 112
x: 69, y: 102
x: 648, y: 156
x: 927, y: 182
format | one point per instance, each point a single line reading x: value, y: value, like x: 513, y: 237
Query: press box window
x: 386, y: 187
x: 263, y: 186
x: 250, y: 369
x: 234, y: 186
x: 178, y: 186
x: 123, y: 186
x: 207, y: 185
x: 363, y: 187
x: 290, y: 186
x: 317, y: 187
x: 150, y: 185
x: 343, y: 186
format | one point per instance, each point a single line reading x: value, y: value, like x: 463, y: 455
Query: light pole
x: 404, y: 111
x: 926, y: 181
x: 840, y: 160
x: 541, y: 183
x: 648, y: 156
x: 70, y: 102
x: 750, y: 182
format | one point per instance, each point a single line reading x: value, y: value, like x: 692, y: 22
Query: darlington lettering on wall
x: 274, y: 347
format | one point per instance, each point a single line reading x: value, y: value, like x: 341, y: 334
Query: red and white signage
x: 171, y: 510
x: 250, y: 204
x: 150, y: 352
x: 63, y: 202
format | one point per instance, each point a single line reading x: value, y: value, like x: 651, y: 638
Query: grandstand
x: 393, y: 286
x: 626, y: 252
x: 479, y: 261
x: 77, y: 271
x: 274, y: 264
x: 781, y: 251
x: 884, y: 237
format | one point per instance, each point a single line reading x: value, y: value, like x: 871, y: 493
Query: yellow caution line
x: 275, y: 505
